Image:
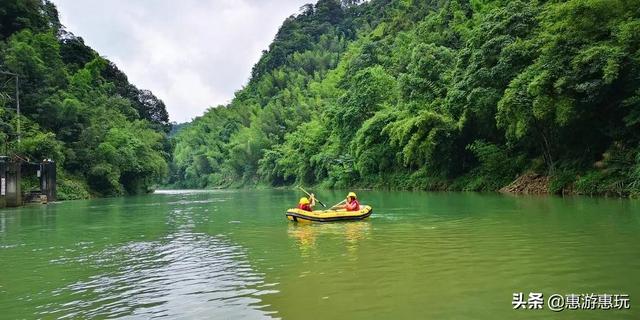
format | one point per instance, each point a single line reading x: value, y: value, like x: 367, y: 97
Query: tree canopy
x: 107, y: 136
x: 454, y: 94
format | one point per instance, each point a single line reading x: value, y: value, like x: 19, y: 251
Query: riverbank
x: 528, y: 183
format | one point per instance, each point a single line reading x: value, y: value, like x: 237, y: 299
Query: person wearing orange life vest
x: 352, y: 203
x: 305, y: 204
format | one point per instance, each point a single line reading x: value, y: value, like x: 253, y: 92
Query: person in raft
x: 352, y: 203
x: 305, y: 204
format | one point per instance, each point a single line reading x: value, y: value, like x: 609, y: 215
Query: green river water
x: 232, y: 254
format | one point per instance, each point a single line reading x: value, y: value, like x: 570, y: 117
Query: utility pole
x: 17, y: 99
x: 18, y: 104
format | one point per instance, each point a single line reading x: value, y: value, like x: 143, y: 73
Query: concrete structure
x: 13, y: 193
x: 3, y: 181
x: 11, y: 176
x: 47, y: 174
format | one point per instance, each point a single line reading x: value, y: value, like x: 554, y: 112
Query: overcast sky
x: 192, y: 54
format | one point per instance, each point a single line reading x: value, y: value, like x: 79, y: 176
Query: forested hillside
x: 107, y: 136
x: 439, y: 95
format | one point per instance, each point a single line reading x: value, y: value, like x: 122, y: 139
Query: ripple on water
x: 174, y: 277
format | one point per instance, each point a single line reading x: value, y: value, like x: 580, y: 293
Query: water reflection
x: 421, y: 255
x: 306, y: 234
x: 188, y: 275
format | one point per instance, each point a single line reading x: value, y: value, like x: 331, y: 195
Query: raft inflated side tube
x: 300, y: 215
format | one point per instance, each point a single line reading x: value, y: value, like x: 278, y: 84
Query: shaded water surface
x: 232, y: 254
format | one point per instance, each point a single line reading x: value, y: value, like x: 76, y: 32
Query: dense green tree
x: 452, y: 94
x: 107, y: 136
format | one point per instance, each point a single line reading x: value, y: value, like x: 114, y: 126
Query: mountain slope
x: 450, y: 94
x: 107, y: 136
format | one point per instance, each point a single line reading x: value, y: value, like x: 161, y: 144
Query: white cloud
x: 192, y: 54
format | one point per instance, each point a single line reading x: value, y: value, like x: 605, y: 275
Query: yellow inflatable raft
x: 328, y: 215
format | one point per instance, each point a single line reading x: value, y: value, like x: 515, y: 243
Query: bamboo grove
x: 435, y: 95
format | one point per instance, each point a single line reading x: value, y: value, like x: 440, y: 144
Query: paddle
x: 308, y: 194
x: 339, y: 203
